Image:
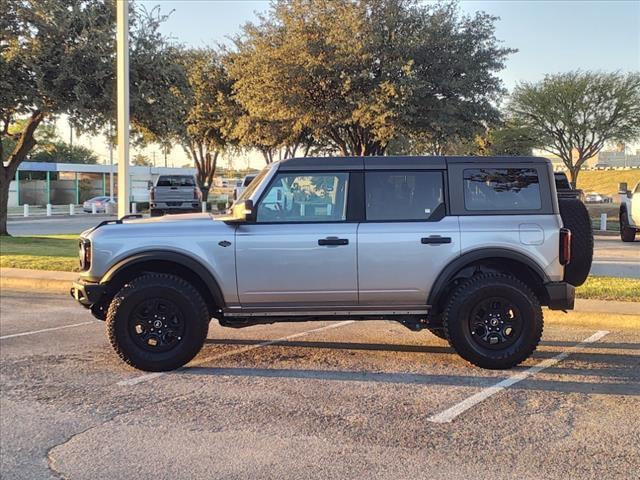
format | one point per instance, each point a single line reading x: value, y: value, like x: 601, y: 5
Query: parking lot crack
x: 52, y: 463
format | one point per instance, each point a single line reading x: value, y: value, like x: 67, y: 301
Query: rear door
x: 406, y: 239
x: 301, y: 251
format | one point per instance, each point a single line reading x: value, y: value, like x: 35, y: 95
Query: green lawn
x: 606, y: 181
x: 610, y: 288
x: 42, y: 252
x: 60, y: 252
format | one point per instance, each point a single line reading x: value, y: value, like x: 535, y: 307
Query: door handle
x: 435, y: 240
x: 333, y: 241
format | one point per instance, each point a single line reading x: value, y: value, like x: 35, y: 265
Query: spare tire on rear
x: 576, y: 218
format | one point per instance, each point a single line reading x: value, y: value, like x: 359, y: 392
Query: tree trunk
x: 4, y: 201
x: 573, y: 175
x: 25, y: 144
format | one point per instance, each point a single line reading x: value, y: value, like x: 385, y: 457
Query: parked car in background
x: 595, y: 197
x: 99, y: 202
x: 174, y: 194
x: 240, y: 188
x: 629, y: 212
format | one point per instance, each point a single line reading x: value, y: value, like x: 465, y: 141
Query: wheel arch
x: 487, y: 260
x: 170, y: 262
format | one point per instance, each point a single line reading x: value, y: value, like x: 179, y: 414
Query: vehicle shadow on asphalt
x: 619, y: 367
x: 600, y: 388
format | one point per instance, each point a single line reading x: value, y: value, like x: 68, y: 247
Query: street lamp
x: 122, y: 40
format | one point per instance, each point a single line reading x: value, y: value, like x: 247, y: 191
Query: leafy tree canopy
x: 58, y: 56
x: 386, y: 68
x: 574, y: 115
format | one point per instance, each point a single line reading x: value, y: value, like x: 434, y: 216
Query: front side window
x: 296, y: 197
x: 501, y: 189
x: 404, y: 195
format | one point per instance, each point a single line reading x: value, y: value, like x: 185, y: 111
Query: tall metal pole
x: 122, y: 39
x: 110, y: 160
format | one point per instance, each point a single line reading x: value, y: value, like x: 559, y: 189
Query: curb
x: 36, y: 280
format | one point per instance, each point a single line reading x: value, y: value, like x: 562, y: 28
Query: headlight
x: 84, y: 251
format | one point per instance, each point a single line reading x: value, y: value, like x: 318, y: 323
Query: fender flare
x: 447, y: 273
x: 196, y: 267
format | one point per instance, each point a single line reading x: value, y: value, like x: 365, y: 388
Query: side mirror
x: 242, y: 212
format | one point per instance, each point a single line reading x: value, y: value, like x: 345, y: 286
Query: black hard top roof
x: 397, y: 162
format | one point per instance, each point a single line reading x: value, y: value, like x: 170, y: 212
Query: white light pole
x: 122, y: 40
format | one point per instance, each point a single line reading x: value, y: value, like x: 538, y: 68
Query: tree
x: 575, y: 114
x: 387, y: 68
x: 58, y: 57
x: 62, y: 152
x: 141, y: 160
x: 206, y: 121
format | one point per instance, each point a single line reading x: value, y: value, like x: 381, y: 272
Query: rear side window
x: 501, y: 189
x: 176, y: 181
x: 404, y: 195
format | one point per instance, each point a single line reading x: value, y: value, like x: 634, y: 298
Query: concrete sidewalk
x: 60, y: 282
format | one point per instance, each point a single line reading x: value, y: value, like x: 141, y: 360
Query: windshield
x: 253, y: 185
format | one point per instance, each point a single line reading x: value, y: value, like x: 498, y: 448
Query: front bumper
x: 86, y: 293
x: 560, y: 295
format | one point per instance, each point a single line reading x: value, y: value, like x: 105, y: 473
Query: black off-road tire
x: 187, y: 301
x: 575, y: 217
x: 627, y: 233
x: 458, y: 316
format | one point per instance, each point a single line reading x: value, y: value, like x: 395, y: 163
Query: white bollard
x: 94, y: 209
x: 72, y: 209
x: 49, y: 213
x: 204, y: 207
x: 25, y: 211
x: 603, y: 222
x: 134, y: 207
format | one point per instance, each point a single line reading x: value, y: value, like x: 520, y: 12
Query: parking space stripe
x: 33, y: 332
x: 151, y: 376
x: 450, y: 414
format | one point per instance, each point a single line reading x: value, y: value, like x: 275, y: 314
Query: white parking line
x: 151, y: 376
x: 449, y: 414
x: 33, y: 332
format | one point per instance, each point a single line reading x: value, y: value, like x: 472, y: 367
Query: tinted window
x: 316, y: 197
x: 176, y: 181
x: 248, y: 180
x: 501, y: 189
x: 394, y: 195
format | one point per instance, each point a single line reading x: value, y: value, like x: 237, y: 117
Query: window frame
x: 445, y: 193
x: 348, y: 201
x: 548, y: 204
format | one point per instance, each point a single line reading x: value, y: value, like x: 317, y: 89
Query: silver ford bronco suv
x: 469, y: 248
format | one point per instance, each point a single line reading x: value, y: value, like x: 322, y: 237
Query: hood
x: 172, y: 225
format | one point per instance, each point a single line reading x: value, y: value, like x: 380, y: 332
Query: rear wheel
x: 494, y: 321
x: 157, y: 322
x: 627, y: 233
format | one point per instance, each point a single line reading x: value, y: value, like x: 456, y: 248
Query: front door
x: 301, y: 251
x: 406, y: 239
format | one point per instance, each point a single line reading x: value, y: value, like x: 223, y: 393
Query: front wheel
x: 493, y: 321
x: 157, y: 322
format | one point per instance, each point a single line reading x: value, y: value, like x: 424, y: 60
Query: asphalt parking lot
x: 313, y: 400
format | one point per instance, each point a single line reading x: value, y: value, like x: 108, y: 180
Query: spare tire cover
x: 576, y: 218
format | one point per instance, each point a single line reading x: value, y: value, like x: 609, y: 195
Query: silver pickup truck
x: 174, y: 194
x: 467, y: 248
